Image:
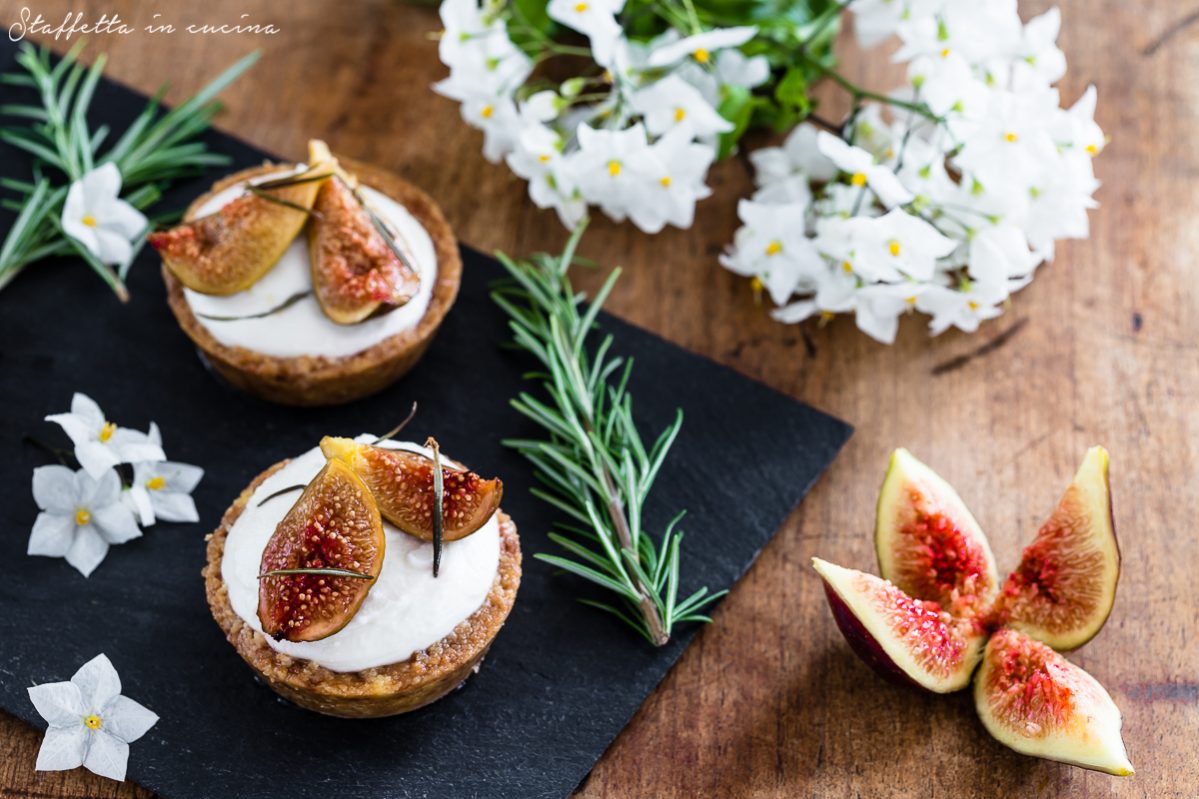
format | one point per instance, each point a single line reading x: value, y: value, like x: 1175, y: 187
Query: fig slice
x: 230, y: 250
x: 334, y: 525
x: 1035, y: 701
x: 906, y: 640
x: 402, y: 484
x: 928, y: 543
x: 357, y: 273
x: 1063, y: 590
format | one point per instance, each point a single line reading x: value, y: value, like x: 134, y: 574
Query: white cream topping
x: 407, y: 609
x: 303, y: 329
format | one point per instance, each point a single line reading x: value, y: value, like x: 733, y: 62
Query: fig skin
x: 1036, y: 702
x: 231, y: 249
x: 1065, y: 586
x: 355, y: 273
x: 851, y: 596
x: 402, y: 484
x: 337, y: 516
x: 928, y: 543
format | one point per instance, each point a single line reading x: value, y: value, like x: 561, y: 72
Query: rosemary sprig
x: 325, y: 572
x: 157, y: 148
x: 438, y: 499
x: 592, y: 463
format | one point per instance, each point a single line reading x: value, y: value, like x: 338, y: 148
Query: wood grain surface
x: 1102, y: 348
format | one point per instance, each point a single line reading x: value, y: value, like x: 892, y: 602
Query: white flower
x: 998, y: 254
x: 672, y: 101
x: 863, y: 170
x: 875, y: 20
x: 162, y: 489
x: 595, y: 19
x: 465, y: 26
x: 90, y: 723
x: 879, y: 306
x: 961, y: 308
x: 680, y: 166
x: 80, y: 516
x: 700, y: 46
x: 799, y: 155
x: 100, y: 444
x: 1038, y: 61
x: 95, y: 215
x: 1076, y: 128
x: 978, y: 31
x: 539, y: 160
x: 885, y: 248
x: 1011, y: 142
x: 734, y: 68
x: 613, y: 169
x: 773, y: 248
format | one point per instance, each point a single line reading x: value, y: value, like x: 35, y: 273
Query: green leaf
x: 792, y: 91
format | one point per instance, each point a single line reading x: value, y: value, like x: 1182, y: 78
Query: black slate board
x: 561, y: 680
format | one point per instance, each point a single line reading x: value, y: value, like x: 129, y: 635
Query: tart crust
x: 320, y: 380
x: 381, y: 691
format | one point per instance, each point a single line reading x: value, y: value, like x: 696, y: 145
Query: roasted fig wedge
x: 906, y: 640
x: 333, y: 527
x: 357, y: 269
x: 1035, y: 701
x: 230, y: 250
x: 1063, y: 590
x: 402, y: 484
x: 928, y: 543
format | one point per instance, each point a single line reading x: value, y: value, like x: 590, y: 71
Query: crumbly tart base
x: 382, y: 691
x: 319, y: 380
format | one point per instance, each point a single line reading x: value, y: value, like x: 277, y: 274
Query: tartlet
x: 382, y: 690
x: 305, y: 379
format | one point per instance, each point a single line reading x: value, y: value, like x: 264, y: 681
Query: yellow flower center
x: 487, y: 111
x: 613, y: 168
x: 702, y: 56
x: 679, y: 114
x: 90, y: 220
x: 826, y: 316
x: 665, y: 181
x: 543, y: 158
x: 858, y: 179
x: 1092, y: 149
x: 910, y: 300
x: 93, y: 721
x: 82, y: 517
x: 156, y: 483
x: 608, y: 76
x: 1011, y: 137
x: 972, y: 305
x: 756, y: 284
x: 774, y: 247
x: 893, y: 248
x: 945, y: 53
x: 846, y: 267
x: 106, y: 432
x: 580, y: 7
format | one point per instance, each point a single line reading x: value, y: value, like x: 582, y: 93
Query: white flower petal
x: 88, y: 550
x: 107, y: 756
x: 126, y: 719
x: 112, y: 247
x: 62, y: 748
x: 138, y: 500
x: 132, y: 446
x: 98, y: 683
x: 59, y: 703
x: 54, y: 489
x: 95, y: 458
x: 180, y: 477
x: 78, y: 429
x: 52, y: 535
x: 116, y: 523
x: 124, y: 220
x: 174, y: 507
x: 99, y: 492
x: 87, y: 410
x: 100, y: 186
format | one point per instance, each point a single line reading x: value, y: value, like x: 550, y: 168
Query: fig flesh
x: 907, y: 640
x: 334, y: 525
x: 1035, y: 701
x: 928, y: 543
x: 402, y: 484
x: 230, y: 250
x: 356, y: 272
x: 1063, y: 590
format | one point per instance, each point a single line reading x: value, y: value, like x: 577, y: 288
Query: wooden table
x: 770, y: 702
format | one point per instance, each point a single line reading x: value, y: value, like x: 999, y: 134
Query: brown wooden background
x: 1102, y: 348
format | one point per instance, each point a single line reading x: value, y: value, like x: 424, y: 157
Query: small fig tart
x: 311, y: 284
x: 356, y: 624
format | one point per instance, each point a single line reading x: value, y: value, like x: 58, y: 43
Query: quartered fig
x: 1063, y: 590
x: 928, y: 543
x: 333, y: 527
x: 904, y: 639
x: 356, y: 272
x: 402, y: 484
x: 1035, y: 701
x: 230, y: 250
